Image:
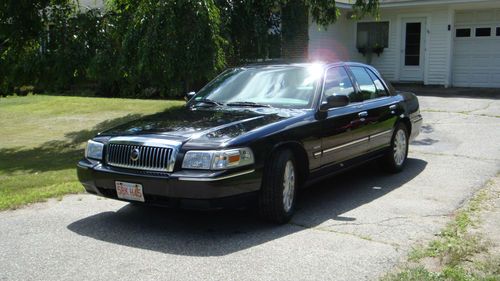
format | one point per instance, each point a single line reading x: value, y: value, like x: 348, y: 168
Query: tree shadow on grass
x: 62, y: 154
x: 55, y: 155
x: 219, y: 233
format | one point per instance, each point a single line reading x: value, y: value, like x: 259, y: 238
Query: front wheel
x: 396, y: 156
x: 279, y: 188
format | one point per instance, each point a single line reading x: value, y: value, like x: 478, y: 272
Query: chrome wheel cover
x: 400, y: 144
x: 288, y: 186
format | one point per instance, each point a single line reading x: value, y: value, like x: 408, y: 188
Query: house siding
x: 438, y: 49
x: 338, y: 42
x: 90, y: 4
x: 388, y: 62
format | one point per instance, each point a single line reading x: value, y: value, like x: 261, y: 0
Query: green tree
x: 23, y: 26
x: 166, y: 46
x: 146, y: 48
x: 252, y: 27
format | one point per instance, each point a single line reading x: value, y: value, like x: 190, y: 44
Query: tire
x: 279, y: 188
x: 395, y: 157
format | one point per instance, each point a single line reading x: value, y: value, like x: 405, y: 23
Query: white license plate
x: 129, y: 191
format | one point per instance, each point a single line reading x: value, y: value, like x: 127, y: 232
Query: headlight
x: 217, y: 159
x: 94, y: 150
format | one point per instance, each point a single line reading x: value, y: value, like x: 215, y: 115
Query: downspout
x: 451, y: 17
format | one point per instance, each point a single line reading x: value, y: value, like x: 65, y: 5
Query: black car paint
x: 310, y: 133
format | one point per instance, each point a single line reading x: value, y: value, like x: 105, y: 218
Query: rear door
x: 379, y: 109
x: 341, y: 125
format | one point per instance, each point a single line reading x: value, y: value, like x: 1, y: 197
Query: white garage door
x: 476, y: 50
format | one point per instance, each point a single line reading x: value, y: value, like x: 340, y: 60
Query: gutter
x: 413, y: 3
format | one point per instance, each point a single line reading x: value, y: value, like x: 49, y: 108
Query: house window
x: 462, y: 32
x: 483, y: 31
x: 498, y: 31
x: 372, y: 34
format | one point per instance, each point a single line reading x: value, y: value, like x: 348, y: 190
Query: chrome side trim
x: 354, y: 142
x: 216, y: 179
x: 381, y: 134
x: 345, y: 145
x: 416, y: 119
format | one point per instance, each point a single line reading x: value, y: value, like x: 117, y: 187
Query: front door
x: 413, y: 49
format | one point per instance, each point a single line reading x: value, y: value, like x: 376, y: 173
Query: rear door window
x: 365, y: 83
x: 381, y: 90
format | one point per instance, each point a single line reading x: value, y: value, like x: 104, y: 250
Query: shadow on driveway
x: 218, y: 233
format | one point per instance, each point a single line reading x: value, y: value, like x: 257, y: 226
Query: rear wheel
x: 396, y: 156
x: 279, y: 188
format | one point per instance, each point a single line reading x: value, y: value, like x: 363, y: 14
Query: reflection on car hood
x: 203, y: 125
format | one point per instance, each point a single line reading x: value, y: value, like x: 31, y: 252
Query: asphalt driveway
x: 352, y: 227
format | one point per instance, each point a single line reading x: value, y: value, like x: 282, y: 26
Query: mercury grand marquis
x: 255, y: 135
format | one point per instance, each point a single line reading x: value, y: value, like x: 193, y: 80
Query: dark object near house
x: 255, y: 134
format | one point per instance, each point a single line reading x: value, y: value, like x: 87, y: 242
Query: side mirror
x: 189, y: 96
x: 334, y: 101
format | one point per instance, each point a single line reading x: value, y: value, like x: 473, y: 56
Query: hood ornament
x: 135, y: 154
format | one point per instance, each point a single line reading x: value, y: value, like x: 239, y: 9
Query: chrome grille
x: 150, y: 158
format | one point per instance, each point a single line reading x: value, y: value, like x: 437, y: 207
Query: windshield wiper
x: 207, y: 102
x: 247, y: 103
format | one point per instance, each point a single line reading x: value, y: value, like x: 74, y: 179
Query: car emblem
x: 135, y: 154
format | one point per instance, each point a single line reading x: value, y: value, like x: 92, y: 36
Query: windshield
x: 276, y: 86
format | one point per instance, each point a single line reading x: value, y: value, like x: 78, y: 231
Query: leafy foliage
x: 160, y: 48
x: 143, y: 48
x: 252, y: 27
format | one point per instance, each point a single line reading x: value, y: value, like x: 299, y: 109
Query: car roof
x: 325, y: 65
x: 284, y: 63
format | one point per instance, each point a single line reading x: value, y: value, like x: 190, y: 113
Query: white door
x: 476, y: 49
x: 412, y: 49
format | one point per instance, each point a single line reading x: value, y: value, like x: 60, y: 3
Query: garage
x: 476, y: 49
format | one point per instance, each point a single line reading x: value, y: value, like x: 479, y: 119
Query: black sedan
x: 255, y: 134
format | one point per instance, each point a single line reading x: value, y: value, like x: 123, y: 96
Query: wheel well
x: 301, y: 159
x: 406, y: 122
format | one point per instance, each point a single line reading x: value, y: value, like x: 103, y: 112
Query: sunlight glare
x: 315, y: 72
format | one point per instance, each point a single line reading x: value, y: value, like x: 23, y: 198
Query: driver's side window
x: 337, y: 82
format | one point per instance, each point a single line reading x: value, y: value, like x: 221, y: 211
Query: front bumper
x: 185, y: 189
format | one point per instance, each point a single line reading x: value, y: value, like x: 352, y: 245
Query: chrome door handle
x: 363, y: 114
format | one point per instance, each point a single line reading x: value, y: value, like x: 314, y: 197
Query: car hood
x: 214, y: 125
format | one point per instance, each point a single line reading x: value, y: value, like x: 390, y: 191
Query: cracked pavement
x: 355, y: 226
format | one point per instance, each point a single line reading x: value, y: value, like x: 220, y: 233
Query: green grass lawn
x: 42, y: 138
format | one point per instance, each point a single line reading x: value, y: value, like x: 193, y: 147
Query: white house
x: 90, y: 4
x: 436, y: 42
